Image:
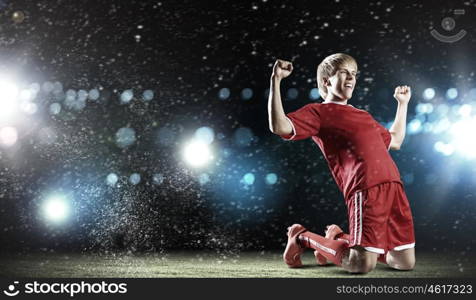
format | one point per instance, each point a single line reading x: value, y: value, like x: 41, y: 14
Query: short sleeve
x: 305, y: 122
x: 385, y: 134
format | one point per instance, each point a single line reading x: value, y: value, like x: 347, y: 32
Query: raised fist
x: 282, y: 69
x: 402, y: 94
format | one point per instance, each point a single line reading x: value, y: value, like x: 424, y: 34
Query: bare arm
x: 278, y: 123
x: 398, y: 129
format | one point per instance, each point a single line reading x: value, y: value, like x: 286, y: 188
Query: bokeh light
x: 271, y: 178
x: 135, y: 178
x: 125, y: 137
x: 8, y: 136
x: 246, y: 94
x: 292, y: 93
x: 197, y: 153
x: 126, y: 96
x: 248, y: 179
x: 314, y: 94
x: 56, y: 209
x: 224, y: 93
x: 205, y: 135
x: 429, y: 93
x: 8, y: 98
x: 112, y: 179
x: 452, y: 93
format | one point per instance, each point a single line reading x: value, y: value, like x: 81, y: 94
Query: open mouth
x: 348, y: 85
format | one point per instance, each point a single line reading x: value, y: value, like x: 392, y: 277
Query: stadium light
x: 8, y: 98
x: 197, y: 153
x: 463, y: 141
x: 8, y: 136
x: 55, y: 209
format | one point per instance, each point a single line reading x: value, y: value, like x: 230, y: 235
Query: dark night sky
x: 186, y: 52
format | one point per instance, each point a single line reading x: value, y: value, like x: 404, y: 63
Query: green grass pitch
x: 198, y: 264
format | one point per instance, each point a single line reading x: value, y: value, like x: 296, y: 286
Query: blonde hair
x: 328, y: 67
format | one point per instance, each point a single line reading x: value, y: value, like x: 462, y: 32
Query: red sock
x: 331, y: 249
x: 346, y: 238
x: 343, y: 236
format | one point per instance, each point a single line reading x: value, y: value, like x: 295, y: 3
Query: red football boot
x: 292, y: 254
x: 331, y: 232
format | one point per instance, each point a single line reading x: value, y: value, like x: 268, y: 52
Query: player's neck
x: 332, y: 99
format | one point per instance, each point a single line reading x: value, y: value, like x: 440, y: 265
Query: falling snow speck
x: 203, y: 178
x: 158, y: 178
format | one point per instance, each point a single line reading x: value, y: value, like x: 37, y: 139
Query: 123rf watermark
x: 426, y: 289
x: 70, y: 289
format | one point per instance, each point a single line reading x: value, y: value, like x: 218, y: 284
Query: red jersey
x: 353, y: 143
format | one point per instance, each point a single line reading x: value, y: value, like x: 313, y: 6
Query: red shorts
x: 380, y: 219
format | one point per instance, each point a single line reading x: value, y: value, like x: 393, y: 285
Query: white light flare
x: 463, y: 137
x: 56, y: 209
x: 8, y: 98
x: 8, y: 136
x: 197, y: 153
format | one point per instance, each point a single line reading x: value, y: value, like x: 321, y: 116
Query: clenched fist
x: 282, y: 69
x: 402, y: 94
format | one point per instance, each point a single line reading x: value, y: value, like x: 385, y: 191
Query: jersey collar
x: 335, y: 102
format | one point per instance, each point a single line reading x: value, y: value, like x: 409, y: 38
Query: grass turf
x: 210, y: 265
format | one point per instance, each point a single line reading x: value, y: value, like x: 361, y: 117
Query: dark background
x: 186, y: 52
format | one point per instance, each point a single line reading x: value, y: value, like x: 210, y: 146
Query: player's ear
x: 326, y: 81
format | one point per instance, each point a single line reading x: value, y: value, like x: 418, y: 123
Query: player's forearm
x: 399, y: 126
x: 278, y: 122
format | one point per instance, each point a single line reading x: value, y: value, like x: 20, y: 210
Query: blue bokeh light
x: 55, y: 108
x: 271, y: 178
x: 292, y: 93
x: 126, y: 96
x: 224, y: 93
x: 314, y: 94
x: 134, y: 178
x: 246, y: 94
x: 112, y: 179
x: 93, y: 94
x: 248, y: 179
x: 452, y: 93
x: 429, y: 93
x: 415, y: 126
x: 147, y: 95
x: 125, y: 137
x: 205, y: 135
x: 243, y: 137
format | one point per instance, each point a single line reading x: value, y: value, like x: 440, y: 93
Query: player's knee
x: 366, y: 267
x: 404, y: 265
x: 363, y: 265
